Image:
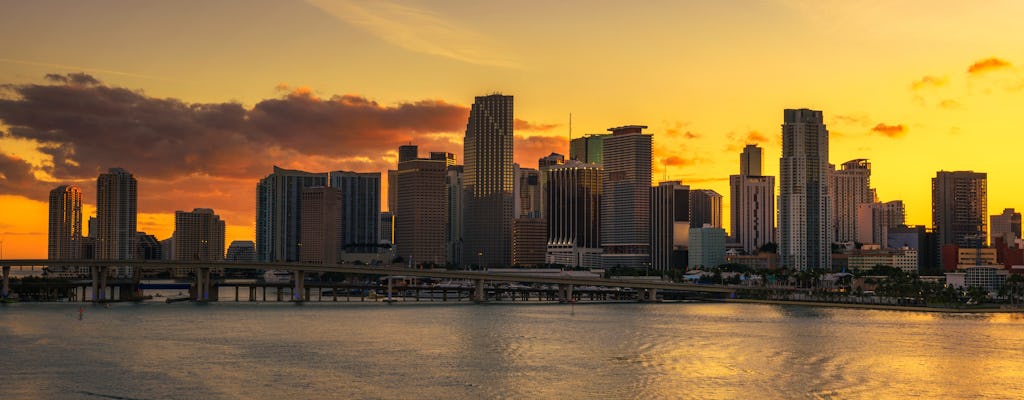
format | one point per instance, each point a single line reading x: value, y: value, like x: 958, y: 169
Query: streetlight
x: 480, y: 260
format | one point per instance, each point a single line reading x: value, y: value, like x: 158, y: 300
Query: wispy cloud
x: 988, y: 64
x: 417, y: 30
x: 892, y: 131
x: 73, y: 68
x: 929, y: 81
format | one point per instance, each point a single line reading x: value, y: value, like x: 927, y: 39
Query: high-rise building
x: 360, y: 209
x: 960, y: 208
x: 392, y: 190
x: 408, y: 152
x: 387, y: 228
x: 625, y: 208
x: 917, y: 238
x: 705, y: 208
x: 850, y: 187
x: 527, y: 192
x: 116, y: 212
x: 453, y: 229
x: 198, y: 235
x: 148, y: 247
x: 241, y: 251
x: 805, y: 234
x: 752, y: 202
x: 279, y: 213
x: 65, y: 233
x: 448, y: 158
x: 707, y: 247
x: 670, y: 225
x: 543, y: 164
x: 528, y: 241
x: 875, y: 219
x: 422, y: 214
x: 573, y: 198
x: 322, y: 222
x: 588, y: 149
x: 1006, y: 225
x: 488, y: 181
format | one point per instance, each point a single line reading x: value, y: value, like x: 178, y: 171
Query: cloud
x: 528, y: 150
x: 892, y: 131
x: 929, y: 81
x: 417, y: 30
x: 79, y: 78
x: 738, y: 142
x: 676, y: 130
x: 988, y: 64
x: 17, y: 177
x: 677, y: 161
x: 523, y: 125
x: 951, y: 104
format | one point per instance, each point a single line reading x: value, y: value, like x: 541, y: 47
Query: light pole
x: 480, y: 260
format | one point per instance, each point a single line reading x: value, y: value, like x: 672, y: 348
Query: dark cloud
x: 929, y: 81
x: 79, y: 78
x: 17, y: 177
x: 523, y: 125
x: 892, y: 131
x: 988, y: 64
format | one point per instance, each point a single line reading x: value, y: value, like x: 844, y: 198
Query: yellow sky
x: 722, y: 71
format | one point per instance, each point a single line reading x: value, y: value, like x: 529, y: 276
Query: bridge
x: 203, y: 284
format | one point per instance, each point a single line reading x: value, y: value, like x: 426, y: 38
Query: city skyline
x: 899, y: 87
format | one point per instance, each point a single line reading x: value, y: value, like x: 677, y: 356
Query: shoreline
x: 885, y: 307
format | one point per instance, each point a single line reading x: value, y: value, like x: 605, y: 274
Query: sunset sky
x: 201, y: 99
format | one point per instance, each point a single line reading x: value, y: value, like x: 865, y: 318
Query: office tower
x: 387, y: 228
x: 167, y: 248
x: 625, y: 208
x: 360, y: 209
x: 65, y: 228
x: 960, y: 208
x: 752, y: 202
x: 707, y: 247
x: 573, y: 198
x: 422, y: 213
x: 147, y: 247
x: 453, y: 229
x: 527, y: 192
x: 529, y: 242
x: 198, y: 235
x: 116, y: 210
x: 850, y: 187
x: 279, y: 213
x: 94, y: 229
x: 1006, y: 225
x: 670, y: 225
x: 543, y: 164
x: 588, y: 149
x: 408, y: 152
x: 321, y: 219
x: 241, y: 251
x: 805, y: 234
x: 751, y: 161
x: 448, y: 158
x: 488, y: 181
x: 392, y: 190
x: 705, y: 208
x: 875, y: 219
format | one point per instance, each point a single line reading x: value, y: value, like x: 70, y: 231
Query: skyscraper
x: 573, y: 198
x: 805, y: 234
x: 448, y: 158
x: 198, y: 235
x: 1006, y: 225
x: 960, y: 208
x: 278, y: 213
x: 322, y: 221
x: 527, y: 192
x: 670, y: 225
x: 488, y: 181
x: 588, y: 149
x: 408, y: 152
x: 529, y: 243
x: 116, y: 210
x: 360, y: 209
x: 422, y: 213
x: 241, y: 251
x: 65, y: 233
x: 626, y: 208
x: 850, y: 187
x: 543, y: 165
x: 752, y: 202
x: 705, y: 208
x: 707, y: 247
x: 875, y: 219
x: 454, y: 227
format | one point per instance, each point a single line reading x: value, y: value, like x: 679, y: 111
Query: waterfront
x: 374, y: 350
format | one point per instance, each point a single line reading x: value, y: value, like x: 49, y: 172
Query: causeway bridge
x: 202, y: 284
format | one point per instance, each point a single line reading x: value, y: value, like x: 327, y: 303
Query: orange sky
x: 325, y: 85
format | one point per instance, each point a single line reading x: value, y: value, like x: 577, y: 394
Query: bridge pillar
x: 480, y: 293
x: 561, y: 293
x: 298, y: 294
x: 568, y: 293
x: 652, y: 295
x: 95, y: 271
x: 103, y: 283
x: 5, y: 290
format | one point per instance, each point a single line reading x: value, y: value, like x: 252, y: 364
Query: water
x: 464, y: 351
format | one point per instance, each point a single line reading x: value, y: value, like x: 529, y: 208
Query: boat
x: 277, y: 276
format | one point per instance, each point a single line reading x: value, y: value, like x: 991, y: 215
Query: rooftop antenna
x: 570, y: 127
